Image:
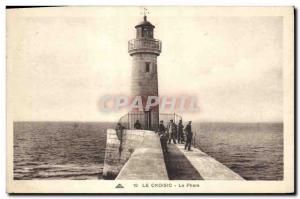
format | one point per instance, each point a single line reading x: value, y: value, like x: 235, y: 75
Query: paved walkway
x: 207, y: 167
x: 178, y: 166
x: 146, y: 162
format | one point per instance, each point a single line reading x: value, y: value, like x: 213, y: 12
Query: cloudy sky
x: 61, y: 61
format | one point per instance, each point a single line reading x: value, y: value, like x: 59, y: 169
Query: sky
x: 61, y: 61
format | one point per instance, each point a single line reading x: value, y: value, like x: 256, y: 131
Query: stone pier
x: 146, y: 162
x: 208, y: 167
x: 139, y: 156
x: 138, y: 146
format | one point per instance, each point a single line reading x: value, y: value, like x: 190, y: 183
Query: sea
x: 75, y: 150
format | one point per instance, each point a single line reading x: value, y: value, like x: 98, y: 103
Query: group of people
x: 167, y: 134
x: 175, y: 133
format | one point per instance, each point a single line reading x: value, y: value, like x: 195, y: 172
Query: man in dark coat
x: 161, y: 127
x: 172, y: 131
x: 189, y: 136
x: 119, y: 131
x: 163, y: 135
x: 180, y: 138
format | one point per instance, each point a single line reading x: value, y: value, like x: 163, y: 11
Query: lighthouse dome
x: 144, y: 23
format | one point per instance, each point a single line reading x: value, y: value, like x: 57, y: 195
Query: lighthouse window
x: 144, y: 32
x: 147, y: 67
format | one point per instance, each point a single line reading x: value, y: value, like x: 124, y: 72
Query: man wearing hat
x: 180, y: 132
x: 161, y: 127
x: 189, y: 136
x: 172, y: 131
x: 163, y: 135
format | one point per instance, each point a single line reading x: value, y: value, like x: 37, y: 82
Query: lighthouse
x: 144, y: 50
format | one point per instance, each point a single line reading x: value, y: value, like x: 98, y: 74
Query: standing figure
x: 189, y: 136
x: 163, y: 135
x: 172, y: 131
x: 161, y: 128
x: 119, y: 130
x: 180, y: 138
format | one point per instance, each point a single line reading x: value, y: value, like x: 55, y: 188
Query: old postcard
x: 150, y: 99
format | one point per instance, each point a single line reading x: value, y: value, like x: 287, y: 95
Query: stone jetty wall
x: 119, y: 150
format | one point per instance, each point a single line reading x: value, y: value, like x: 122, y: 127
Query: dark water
x: 255, y: 151
x: 74, y: 150
x: 59, y: 150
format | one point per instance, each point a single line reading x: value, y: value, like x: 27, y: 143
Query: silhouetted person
x: 137, y: 125
x: 161, y: 127
x: 180, y: 138
x: 163, y: 135
x: 189, y: 136
x: 164, y: 140
x: 119, y: 131
x: 172, y: 131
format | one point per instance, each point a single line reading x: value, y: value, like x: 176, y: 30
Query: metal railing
x: 128, y: 120
x: 166, y: 117
x: 137, y: 44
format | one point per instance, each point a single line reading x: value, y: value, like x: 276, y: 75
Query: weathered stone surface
x: 145, y: 83
x: 208, y: 167
x: 116, y: 155
x: 146, y: 163
x: 178, y: 166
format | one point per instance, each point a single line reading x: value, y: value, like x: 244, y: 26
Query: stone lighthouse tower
x: 144, y: 50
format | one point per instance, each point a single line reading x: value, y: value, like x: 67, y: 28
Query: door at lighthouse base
x: 148, y: 120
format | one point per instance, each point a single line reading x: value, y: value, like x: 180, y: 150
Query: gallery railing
x: 153, y: 45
